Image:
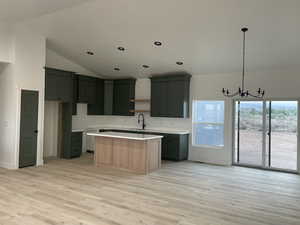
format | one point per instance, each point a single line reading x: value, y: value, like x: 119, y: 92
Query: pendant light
x: 242, y: 92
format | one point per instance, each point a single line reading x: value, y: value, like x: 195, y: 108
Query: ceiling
x: 16, y: 10
x: 204, y: 34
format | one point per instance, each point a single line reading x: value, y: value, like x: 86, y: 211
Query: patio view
x: 267, y: 138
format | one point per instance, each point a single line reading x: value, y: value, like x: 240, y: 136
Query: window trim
x: 207, y: 123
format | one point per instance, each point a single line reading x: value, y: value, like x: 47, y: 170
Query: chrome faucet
x: 143, y: 120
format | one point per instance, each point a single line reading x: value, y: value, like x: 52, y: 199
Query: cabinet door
x: 121, y: 153
x: 164, y: 147
x: 97, y: 107
x: 58, y: 85
x: 176, y: 101
x: 91, y: 90
x: 86, y: 89
x: 66, y: 130
x: 51, y: 86
x: 170, y: 96
x: 76, y: 145
x: 104, y: 151
x: 108, y: 97
x: 124, y: 90
x: 75, y: 94
x: 137, y: 156
x: 173, y: 147
x: 82, y: 90
x: 159, y: 90
x: 65, y: 87
x: 184, y: 147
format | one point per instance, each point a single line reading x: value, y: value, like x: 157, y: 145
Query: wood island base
x: 138, y: 156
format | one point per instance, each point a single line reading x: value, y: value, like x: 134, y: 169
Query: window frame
x: 207, y: 123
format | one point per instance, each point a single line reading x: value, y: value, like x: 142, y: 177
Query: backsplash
x: 83, y: 121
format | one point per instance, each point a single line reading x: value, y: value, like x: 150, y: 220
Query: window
x: 208, y: 123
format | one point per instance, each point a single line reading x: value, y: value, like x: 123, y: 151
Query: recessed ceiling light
x: 117, y: 69
x: 146, y: 66
x: 90, y: 53
x: 157, y: 43
x: 121, y: 49
x: 179, y: 63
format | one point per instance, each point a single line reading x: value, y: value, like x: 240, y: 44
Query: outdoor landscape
x: 283, y: 133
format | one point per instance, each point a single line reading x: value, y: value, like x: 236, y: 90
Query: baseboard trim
x: 40, y: 162
x: 8, y: 166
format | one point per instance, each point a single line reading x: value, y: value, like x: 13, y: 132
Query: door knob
x: 36, y: 131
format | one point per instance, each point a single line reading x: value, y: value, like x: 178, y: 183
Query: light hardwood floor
x: 185, y: 193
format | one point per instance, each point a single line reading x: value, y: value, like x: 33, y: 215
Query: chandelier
x: 242, y: 92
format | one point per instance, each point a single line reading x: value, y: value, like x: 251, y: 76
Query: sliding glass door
x: 266, y: 134
x: 249, y: 135
x: 283, y: 134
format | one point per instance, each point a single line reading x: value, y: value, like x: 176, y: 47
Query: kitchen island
x: 138, y: 153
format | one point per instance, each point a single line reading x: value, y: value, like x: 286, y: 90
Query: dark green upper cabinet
x: 108, y: 97
x: 159, y: 98
x: 75, y: 94
x: 58, y: 85
x: 170, y: 96
x: 123, y: 92
x: 87, y: 88
x: 97, y: 107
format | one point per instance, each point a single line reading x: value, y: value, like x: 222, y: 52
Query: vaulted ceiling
x: 203, y: 34
x: 16, y: 10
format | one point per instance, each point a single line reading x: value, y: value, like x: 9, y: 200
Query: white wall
x: 29, y: 62
x: 278, y: 84
x: 8, y: 113
x: 54, y: 60
x: 26, y: 71
x: 5, y: 43
x: 8, y: 98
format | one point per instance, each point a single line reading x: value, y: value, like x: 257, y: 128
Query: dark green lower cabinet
x: 174, y: 147
x: 76, y: 144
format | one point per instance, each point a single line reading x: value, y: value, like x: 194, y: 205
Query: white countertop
x: 155, y: 130
x: 131, y: 136
x: 79, y: 130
